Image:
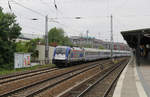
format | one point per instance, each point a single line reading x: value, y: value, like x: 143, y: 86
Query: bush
x: 7, y: 66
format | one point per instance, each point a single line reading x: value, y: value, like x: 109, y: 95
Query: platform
x: 134, y: 80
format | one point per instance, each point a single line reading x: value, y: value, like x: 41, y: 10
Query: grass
x: 4, y: 71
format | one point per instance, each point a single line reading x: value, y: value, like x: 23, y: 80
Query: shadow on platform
x: 145, y: 60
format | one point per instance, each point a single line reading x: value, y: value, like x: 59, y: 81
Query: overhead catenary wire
x: 81, y: 18
x: 54, y: 5
x: 42, y: 2
x: 94, y: 17
x: 74, y: 18
x: 13, y: 11
x: 123, y: 3
x: 46, y: 5
x: 66, y: 26
x: 119, y: 7
x: 29, y: 10
x: 75, y: 29
x: 33, y: 29
x: 117, y: 18
x: 34, y: 11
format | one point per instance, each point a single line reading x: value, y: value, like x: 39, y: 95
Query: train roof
x: 120, y: 51
x: 97, y: 50
x: 94, y: 50
x: 77, y: 48
x: 62, y: 47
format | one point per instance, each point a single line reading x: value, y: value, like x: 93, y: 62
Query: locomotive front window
x: 60, y: 50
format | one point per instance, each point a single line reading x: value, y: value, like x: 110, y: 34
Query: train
x: 64, y: 55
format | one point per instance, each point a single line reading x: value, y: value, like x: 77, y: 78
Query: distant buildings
x: 82, y: 42
x: 97, y: 43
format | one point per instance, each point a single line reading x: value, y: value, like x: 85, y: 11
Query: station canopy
x: 132, y: 37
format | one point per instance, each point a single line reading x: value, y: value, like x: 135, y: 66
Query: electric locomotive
x: 65, y: 55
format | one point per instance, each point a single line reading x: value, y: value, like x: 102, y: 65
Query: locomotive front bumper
x: 54, y: 61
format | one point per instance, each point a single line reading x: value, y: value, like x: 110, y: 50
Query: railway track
x: 7, y: 79
x: 105, y: 78
x: 21, y: 73
x: 37, y: 83
x: 60, y: 90
x: 13, y: 77
x: 61, y: 79
x: 4, y: 91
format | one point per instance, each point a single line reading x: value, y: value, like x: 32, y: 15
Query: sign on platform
x: 22, y: 60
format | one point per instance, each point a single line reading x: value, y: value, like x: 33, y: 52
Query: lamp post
x: 46, y: 40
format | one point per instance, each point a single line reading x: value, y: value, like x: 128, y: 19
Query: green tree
x: 21, y: 47
x: 28, y: 47
x: 56, y: 36
x: 31, y: 46
x: 9, y: 31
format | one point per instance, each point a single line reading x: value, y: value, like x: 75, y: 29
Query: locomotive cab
x: 61, y: 54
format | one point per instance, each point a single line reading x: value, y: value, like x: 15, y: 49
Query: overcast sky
x: 127, y: 15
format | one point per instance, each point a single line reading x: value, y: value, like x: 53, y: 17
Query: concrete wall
x: 41, y: 49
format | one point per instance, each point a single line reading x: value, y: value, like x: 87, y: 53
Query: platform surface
x: 134, y: 80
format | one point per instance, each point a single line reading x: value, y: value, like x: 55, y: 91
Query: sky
x: 127, y: 15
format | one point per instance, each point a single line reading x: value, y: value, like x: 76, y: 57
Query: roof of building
x: 29, y: 36
x: 132, y: 37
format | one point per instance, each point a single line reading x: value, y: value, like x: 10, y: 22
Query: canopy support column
x: 138, y: 49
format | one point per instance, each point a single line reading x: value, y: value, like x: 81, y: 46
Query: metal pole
x: 87, y: 36
x: 112, y: 44
x: 46, y: 41
x: 93, y: 43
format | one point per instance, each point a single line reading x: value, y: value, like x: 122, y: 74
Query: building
x: 24, y: 37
